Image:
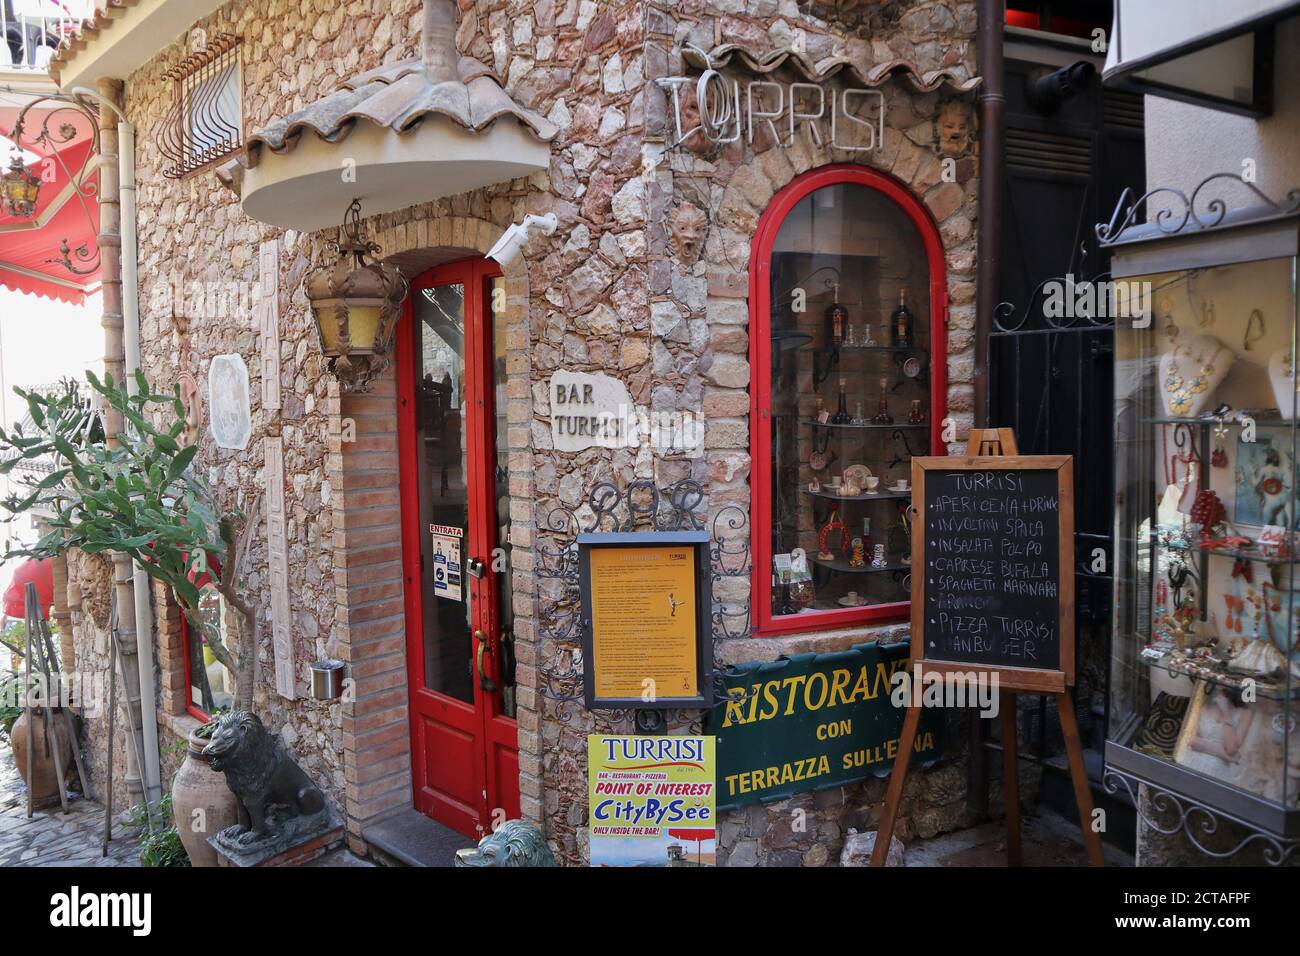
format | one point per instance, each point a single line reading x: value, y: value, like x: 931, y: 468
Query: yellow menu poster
x: 643, y: 620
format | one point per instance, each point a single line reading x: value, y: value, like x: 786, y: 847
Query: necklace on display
x: 1182, y: 389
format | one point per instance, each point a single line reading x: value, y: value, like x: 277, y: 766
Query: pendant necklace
x: 1182, y: 389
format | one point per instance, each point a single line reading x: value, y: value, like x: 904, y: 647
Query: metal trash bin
x: 327, y: 679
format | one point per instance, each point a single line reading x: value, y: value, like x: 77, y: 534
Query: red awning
x: 39, y: 571
x: 66, y: 210
x: 693, y: 835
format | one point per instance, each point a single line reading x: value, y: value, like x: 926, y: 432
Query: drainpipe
x: 131, y: 341
x: 122, y: 347
x: 992, y: 104
x: 992, y: 107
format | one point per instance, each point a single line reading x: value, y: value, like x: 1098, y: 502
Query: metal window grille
x: 205, y: 122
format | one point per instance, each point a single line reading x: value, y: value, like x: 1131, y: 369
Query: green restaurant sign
x: 813, y: 721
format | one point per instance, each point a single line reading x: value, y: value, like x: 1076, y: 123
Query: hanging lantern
x: 19, y: 188
x: 355, y: 302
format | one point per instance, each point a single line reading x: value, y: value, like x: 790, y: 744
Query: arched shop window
x: 847, y: 351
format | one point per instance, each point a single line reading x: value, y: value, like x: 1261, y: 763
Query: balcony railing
x: 33, y: 29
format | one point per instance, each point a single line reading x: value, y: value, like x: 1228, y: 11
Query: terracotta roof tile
x: 815, y: 71
x: 400, y: 96
x: 107, y: 12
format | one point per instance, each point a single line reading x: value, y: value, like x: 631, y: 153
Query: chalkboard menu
x: 993, y: 562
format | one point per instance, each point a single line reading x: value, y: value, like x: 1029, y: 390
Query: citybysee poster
x: 652, y: 801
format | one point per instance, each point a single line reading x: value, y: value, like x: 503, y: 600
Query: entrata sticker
x: 446, y: 561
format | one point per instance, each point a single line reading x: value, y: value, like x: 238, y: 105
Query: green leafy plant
x: 205, y: 731
x: 14, y: 638
x: 160, y: 843
x: 11, y: 693
x: 135, y: 495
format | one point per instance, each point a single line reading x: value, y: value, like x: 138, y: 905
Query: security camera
x: 513, y: 239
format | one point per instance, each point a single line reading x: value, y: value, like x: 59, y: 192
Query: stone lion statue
x: 514, y: 843
x: 280, y: 798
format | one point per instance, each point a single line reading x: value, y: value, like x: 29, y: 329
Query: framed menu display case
x: 1205, y: 671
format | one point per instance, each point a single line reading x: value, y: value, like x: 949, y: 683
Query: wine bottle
x: 902, y: 323
x: 837, y: 321
x: 841, y: 416
x: 784, y: 601
x: 882, y: 416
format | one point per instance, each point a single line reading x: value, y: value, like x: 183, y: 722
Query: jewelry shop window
x: 1205, y: 660
x: 847, y: 349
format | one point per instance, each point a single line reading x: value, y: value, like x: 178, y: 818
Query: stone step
x: 412, y: 839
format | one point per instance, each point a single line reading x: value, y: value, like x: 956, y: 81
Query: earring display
x: 1254, y: 330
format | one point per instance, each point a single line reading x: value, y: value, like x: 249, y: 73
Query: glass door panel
x: 444, y: 499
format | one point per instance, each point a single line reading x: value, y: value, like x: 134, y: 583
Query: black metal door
x: 1051, y: 368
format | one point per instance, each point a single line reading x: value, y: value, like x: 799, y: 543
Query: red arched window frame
x: 760, y: 363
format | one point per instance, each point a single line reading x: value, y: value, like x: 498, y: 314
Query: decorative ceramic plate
x: 857, y: 474
x: 846, y: 601
x: 912, y: 367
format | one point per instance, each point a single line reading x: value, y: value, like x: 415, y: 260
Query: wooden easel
x: 998, y: 443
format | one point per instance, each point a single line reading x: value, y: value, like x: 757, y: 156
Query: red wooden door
x: 455, y: 528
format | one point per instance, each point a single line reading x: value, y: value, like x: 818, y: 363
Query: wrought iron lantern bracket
x: 356, y: 293
x: 59, y: 116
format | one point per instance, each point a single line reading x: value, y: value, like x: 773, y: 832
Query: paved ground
x: 51, y: 838
x: 1046, y: 839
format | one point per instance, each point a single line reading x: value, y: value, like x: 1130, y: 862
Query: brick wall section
x: 369, y: 629
x: 173, y: 695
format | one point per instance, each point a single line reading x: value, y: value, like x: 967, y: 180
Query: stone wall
x: 609, y: 292
x: 699, y: 350
x: 198, y: 261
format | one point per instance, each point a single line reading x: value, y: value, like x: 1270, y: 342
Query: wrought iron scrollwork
x: 1171, y: 221
x: 1196, y: 821
x: 1005, y: 319
x: 641, y: 506
x: 62, y: 119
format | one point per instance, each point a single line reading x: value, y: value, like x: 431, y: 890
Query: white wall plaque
x: 277, y: 560
x: 589, y: 411
x: 268, y: 306
x: 229, y: 417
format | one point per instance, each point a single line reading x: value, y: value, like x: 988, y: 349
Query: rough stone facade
x: 613, y: 291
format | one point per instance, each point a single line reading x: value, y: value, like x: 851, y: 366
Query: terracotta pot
x: 202, y: 804
x: 45, y: 781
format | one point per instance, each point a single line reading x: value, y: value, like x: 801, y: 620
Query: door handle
x: 477, y: 567
x: 484, y: 682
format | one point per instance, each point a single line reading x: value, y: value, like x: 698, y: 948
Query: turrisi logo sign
x: 77, y: 909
